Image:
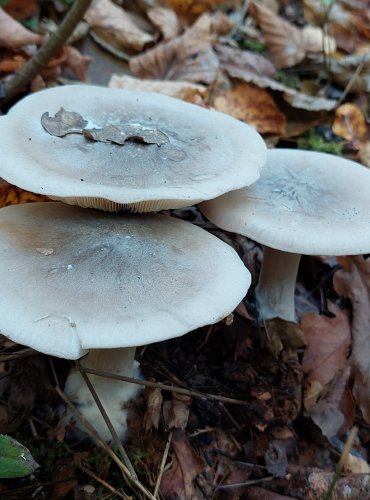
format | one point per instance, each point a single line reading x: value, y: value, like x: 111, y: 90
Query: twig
x: 92, y: 432
x: 351, y: 82
x: 163, y: 463
x: 247, y: 483
x: 164, y: 387
x: 103, y: 483
x: 20, y: 354
x: 112, y: 430
x: 42, y: 57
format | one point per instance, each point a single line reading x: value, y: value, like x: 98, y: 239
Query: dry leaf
x: 154, y: 409
x: 176, y: 411
x: 327, y: 411
x: 21, y: 9
x: 236, y: 62
x: 119, y: 134
x: 364, y: 154
x: 78, y: 63
x: 187, y: 57
x: 283, y: 38
x: 14, y: 35
x: 166, y: 21
x: 191, y: 9
x: 346, y: 70
x: 64, y: 122
x: 350, y: 123
x: 12, y: 195
x: 307, y: 102
x: 115, y: 26
x: 190, y: 92
x: 328, y: 342
x: 353, y: 281
x: 252, y: 105
x: 178, y: 482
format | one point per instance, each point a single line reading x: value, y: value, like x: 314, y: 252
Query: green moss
x: 291, y: 81
x: 315, y: 142
x: 253, y: 45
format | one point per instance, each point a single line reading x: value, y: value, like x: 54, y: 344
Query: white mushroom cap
x: 304, y: 202
x: 78, y: 279
x: 208, y: 153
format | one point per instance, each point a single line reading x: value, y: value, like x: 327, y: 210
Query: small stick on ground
x: 163, y: 463
x: 164, y: 387
x: 103, y: 483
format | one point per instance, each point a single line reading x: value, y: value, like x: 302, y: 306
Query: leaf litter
x: 297, y: 402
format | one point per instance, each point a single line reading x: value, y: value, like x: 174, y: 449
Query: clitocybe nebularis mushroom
x: 304, y: 203
x: 199, y: 153
x: 81, y: 280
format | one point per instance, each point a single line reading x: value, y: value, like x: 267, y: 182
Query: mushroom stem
x: 113, y: 394
x: 276, y: 285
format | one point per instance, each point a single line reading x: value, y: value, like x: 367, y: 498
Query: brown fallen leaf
x: 190, y: 92
x: 176, y: 411
x: 283, y: 38
x: 252, y: 105
x: 154, y: 409
x: 187, y: 57
x: 12, y: 195
x: 327, y: 411
x: 236, y: 62
x: 76, y: 62
x: 353, y: 281
x: 288, y: 44
x: 178, y: 481
x: 111, y: 23
x: 350, y: 123
x: 328, y: 342
x: 166, y: 21
x: 21, y: 9
x: 189, y: 10
x: 14, y: 35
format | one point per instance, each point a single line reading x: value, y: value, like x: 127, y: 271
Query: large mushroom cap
x: 76, y: 279
x: 304, y: 202
x: 207, y: 152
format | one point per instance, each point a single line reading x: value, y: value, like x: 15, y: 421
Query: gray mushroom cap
x: 79, y: 279
x: 304, y: 202
x: 208, y: 153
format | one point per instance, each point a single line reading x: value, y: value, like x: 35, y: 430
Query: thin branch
x: 163, y: 463
x: 103, y: 483
x: 164, y: 387
x: 42, y: 57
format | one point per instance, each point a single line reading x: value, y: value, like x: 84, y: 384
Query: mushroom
x: 304, y: 203
x: 197, y: 153
x: 80, y: 281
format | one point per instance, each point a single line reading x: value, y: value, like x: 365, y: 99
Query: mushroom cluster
x: 84, y: 281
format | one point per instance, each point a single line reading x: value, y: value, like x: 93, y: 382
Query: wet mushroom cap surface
x: 76, y: 279
x: 206, y: 154
x: 304, y: 202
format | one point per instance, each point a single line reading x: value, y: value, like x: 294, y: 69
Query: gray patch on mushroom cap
x: 208, y: 152
x: 110, y: 280
x: 304, y: 202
